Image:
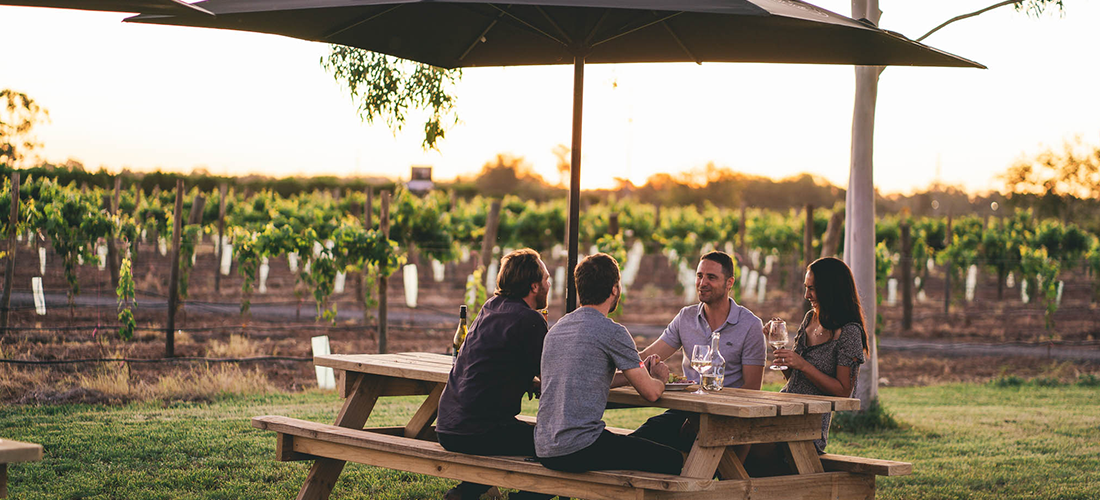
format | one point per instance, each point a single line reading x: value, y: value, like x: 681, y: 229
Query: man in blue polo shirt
x: 741, y: 342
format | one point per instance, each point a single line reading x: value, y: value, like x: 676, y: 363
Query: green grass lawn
x: 966, y: 441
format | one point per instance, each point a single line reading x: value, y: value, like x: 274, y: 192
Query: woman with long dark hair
x: 831, y: 342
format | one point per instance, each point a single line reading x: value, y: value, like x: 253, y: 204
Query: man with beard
x: 498, y: 363
x: 579, y: 361
x: 741, y: 343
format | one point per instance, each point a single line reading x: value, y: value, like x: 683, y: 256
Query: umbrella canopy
x: 142, y: 6
x: 467, y: 33
x: 462, y: 33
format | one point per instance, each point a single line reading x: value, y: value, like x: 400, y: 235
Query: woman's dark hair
x: 518, y: 271
x: 596, y: 278
x: 837, y: 298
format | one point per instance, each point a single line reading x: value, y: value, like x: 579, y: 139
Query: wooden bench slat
x: 860, y: 465
x: 391, y: 367
x: 427, y: 450
x: 15, y: 451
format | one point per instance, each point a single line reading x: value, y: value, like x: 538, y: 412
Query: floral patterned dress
x: 844, y: 350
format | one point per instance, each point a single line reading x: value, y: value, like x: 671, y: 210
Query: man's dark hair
x: 723, y: 259
x: 518, y: 271
x: 596, y: 276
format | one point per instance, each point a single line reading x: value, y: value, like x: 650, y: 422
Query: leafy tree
x: 860, y: 198
x: 387, y: 88
x: 1060, y: 177
x: 18, y: 116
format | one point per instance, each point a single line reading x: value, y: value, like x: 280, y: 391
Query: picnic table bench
x: 727, y: 418
x: 12, y: 452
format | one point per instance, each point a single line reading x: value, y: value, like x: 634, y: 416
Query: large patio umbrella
x: 465, y: 33
x: 143, y: 6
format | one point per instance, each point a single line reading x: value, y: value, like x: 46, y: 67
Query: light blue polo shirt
x: 741, y: 339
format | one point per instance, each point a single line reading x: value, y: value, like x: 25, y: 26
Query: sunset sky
x: 144, y: 97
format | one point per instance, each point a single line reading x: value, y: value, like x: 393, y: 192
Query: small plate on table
x: 678, y: 386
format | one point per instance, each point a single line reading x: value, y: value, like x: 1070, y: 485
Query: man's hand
x: 659, y: 371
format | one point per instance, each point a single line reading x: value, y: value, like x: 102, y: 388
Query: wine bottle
x: 460, y: 333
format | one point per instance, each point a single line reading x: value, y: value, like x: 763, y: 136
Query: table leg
x: 804, y: 456
x: 702, y: 461
x: 421, y: 423
x: 731, y: 466
x: 363, y: 394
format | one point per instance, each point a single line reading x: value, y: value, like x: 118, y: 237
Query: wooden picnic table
x: 726, y: 419
x: 12, y: 452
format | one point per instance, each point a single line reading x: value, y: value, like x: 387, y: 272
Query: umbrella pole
x: 573, y: 222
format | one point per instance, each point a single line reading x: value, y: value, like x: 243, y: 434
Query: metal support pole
x: 573, y: 221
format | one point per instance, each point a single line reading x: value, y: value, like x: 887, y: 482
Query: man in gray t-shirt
x: 580, y: 356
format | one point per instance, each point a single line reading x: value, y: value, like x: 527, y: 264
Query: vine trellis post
x: 174, y: 276
x: 383, y: 280
x: 9, y: 270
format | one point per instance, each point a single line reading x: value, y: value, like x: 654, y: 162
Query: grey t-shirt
x: 579, y: 358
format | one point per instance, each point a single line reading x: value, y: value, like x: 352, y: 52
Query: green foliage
x: 422, y: 222
x: 476, y: 294
x: 387, y: 88
x: 884, y: 267
x: 1093, y: 260
x: 1041, y: 271
x: 1088, y: 380
x: 874, y: 418
x: 1008, y: 381
x: 126, y: 300
x: 73, y: 222
x: 188, y: 238
x: 18, y: 116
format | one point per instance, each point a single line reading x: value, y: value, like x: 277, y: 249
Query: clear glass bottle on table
x: 460, y: 333
x: 712, y: 379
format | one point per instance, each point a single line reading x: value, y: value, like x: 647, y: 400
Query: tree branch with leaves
x: 388, y: 88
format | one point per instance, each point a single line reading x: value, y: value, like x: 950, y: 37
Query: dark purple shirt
x: 494, y: 368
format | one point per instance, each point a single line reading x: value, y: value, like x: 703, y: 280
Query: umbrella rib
x: 480, y: 37
x: 596, y: 27
x: 369, y: 18
x: 550, y: 20
x: 528, y: 25
x: 681, y: 44
x: 632, y: 30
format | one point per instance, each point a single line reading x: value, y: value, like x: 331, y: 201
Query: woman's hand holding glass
x: 790, y: 359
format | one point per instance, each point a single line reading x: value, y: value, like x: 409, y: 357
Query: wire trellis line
x: 156, y: 360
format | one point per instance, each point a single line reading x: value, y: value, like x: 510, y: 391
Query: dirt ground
x: 210, y: 326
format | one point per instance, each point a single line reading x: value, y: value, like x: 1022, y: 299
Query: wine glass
x: 776, y: 330
x: 700, y: 360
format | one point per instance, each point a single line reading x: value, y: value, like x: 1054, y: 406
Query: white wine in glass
x: 700, y: 362
x: 776, y: 330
